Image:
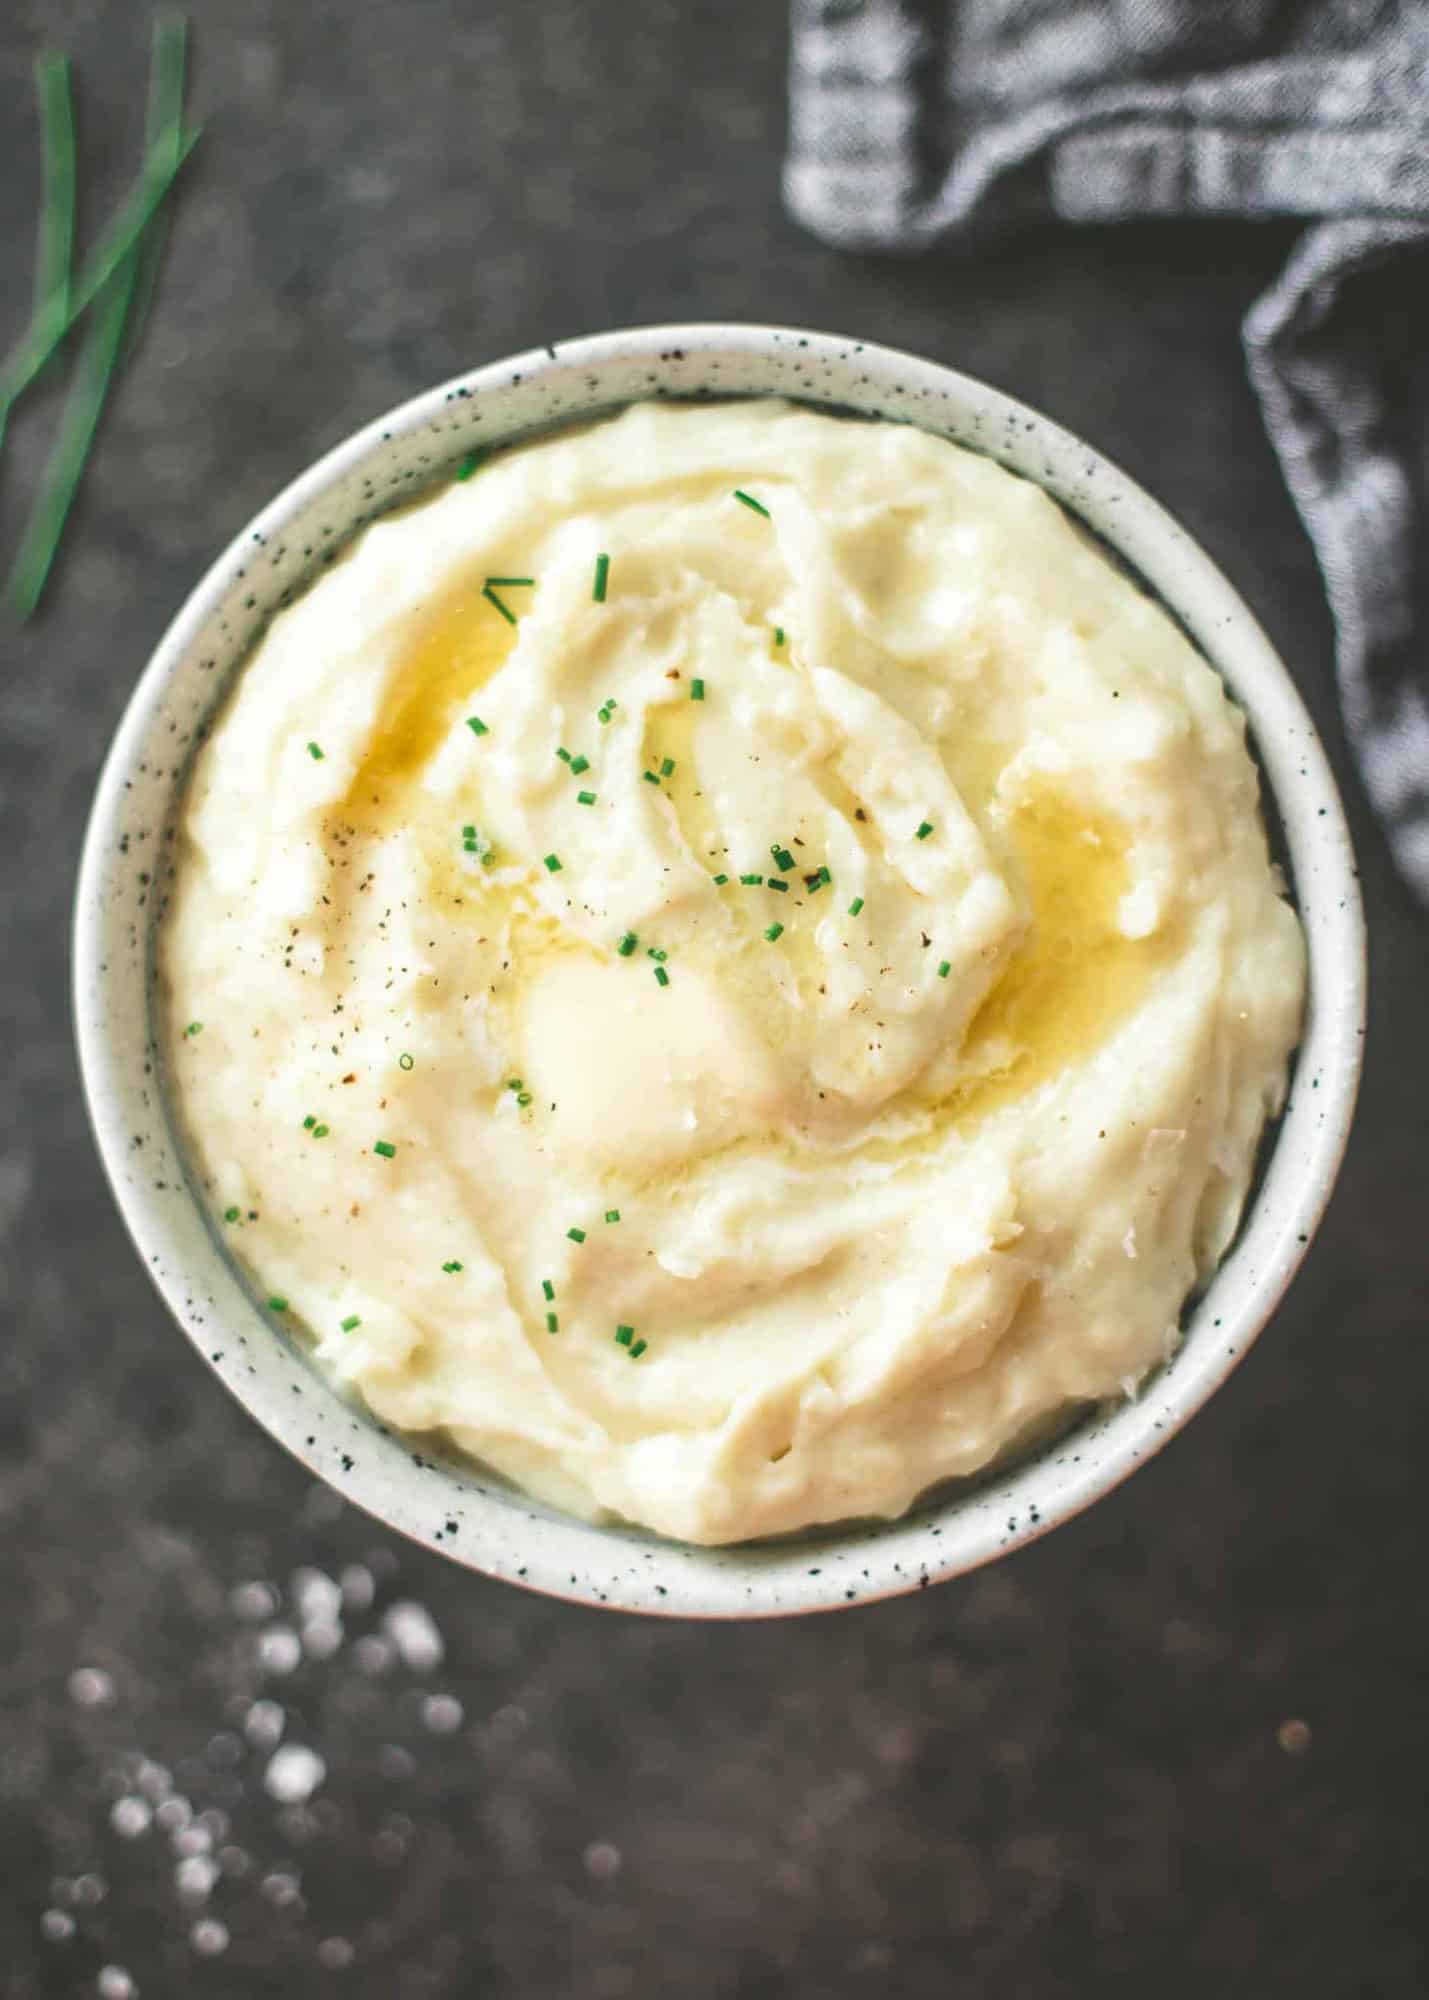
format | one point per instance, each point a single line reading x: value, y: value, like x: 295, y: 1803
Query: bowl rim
x: 485, y: 1526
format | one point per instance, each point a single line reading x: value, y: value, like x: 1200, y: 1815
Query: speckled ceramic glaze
x: 127, y: 865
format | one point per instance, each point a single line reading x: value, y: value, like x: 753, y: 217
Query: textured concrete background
x: 1177, y: 1748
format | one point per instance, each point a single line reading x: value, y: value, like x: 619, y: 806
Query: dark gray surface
x: 1062, y: 1776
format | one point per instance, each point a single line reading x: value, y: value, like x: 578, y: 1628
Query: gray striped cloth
x: 922, y: 122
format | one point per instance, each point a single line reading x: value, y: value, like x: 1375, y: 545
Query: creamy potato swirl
x: 733, y: 968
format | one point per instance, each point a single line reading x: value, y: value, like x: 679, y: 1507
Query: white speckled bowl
x: 451, y: 1506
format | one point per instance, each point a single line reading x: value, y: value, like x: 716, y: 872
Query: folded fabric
x: 922, y: 122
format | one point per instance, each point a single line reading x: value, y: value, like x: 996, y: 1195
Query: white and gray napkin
x: 917, y: 123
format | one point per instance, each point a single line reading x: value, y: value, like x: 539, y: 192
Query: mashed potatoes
x: 729, y: 962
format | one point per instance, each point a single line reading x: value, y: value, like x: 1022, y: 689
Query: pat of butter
x: 639, y: 1074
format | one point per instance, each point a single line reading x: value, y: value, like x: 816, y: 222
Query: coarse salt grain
x: 335, y: 1953
x: 413, y: 1631
x: 112, y: 1982
x: 91, y: 1687
x: 263, y: 1724
x: 57, y: 1925
x: 279, y: 1651
x: 131, y: 1816
x: 294, y: 1773
x: 209, y: 1937
x: 195, y: 1877
x: 254, y: 1601
x: 442, y: 1714
x: 602, y: 1860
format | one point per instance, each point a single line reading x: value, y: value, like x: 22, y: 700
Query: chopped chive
x: 667, y: 765
x: 585, y: 798
x: 751, y: 881
x: 507, y: 613
x: 579, y: 764
x: 576, y: 1235
x: 553, y: 1325
x: 658, y: 955
x: 563, y: 754
x: 452, y: 1264
x: 315, y: 753
x: 404, y: 1061
x: 748, y: 500
x: 194, y: 1028
x: 697, y: 689
x: 855, y: 906
x: 472, y: 460
x: 720, y: 880
x: 511, y: 582
x: 350, y: 1323
x: 470, y: 847
x: 782, y: 858
x: 774, y: 931
x: 548, y: 1290
x: 602, y: 574
x: 612, y: 1215
x: 309, y: 1122
x: 607, y: 708
x: 627, y: 944
x: 945, y: 968
x: 778, y: 635
x: 638, y: 1349
x: 649, y: 777
x: 385, y: 1149
x: 320, y: 1131
x: 477, y: 727
x: 523, y: 1097
x: 825, y: 876
x: 231, y: 1214
x: 925, y: 827
x: 625, y: 1334
x: 468, y: 833
x: 552, y: 864
x: 277, y: 1305
x: 515, y: 1083
x: 775, y: 883
x: 819, y: 878
x: 662, y: 977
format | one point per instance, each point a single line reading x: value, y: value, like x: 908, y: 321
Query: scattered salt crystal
x: 442, y: 1713
x: 335, y: 1953
x: 195, y: 1877
x: 209, y: 1937
x: 234, y: 1861
x: 113, y: 1983
x: 293, y: 1774
x: 357, y: 1586
x: 174, y: 1813
x: 89, y: 1889
x: 395, y: 1762
x: 281, y: 1887
x: 373, y: 1655
x: 153, y: 1780
x: 263, y: 1724
x: 601, y: 1860
x: 1294, y: 1736
x: 192, y: 1840
x: 317, y: 1599
x: 91, y: 1687
x: 322, y: 1638
x: 131, y: 1816
x: 254, y: 1601
x: 413, y: 1632
x: 214, y: 1822
x: 278, y: 1650
x: 57, y: 1925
